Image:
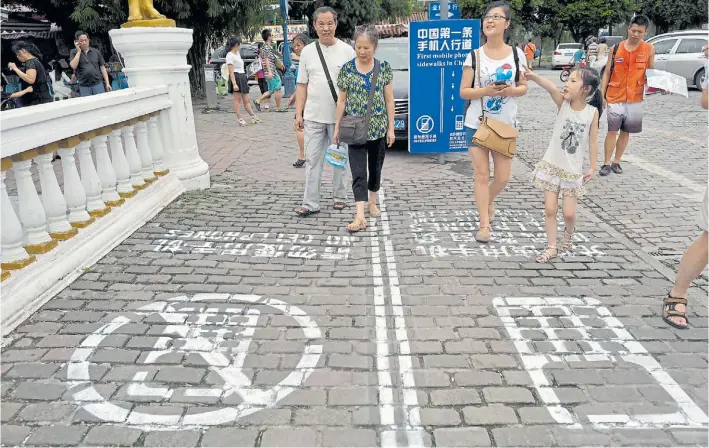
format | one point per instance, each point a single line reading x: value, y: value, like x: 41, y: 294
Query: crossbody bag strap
x: 480, y: 85
x: 327, y: 72
x: 372, y: 89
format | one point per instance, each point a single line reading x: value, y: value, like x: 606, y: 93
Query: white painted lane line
x: 663, y: 172
x: 414, y: 430
x: 386, y: 394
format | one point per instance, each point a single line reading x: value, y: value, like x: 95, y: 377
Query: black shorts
x: 262, y: 85
x: 242, y: 82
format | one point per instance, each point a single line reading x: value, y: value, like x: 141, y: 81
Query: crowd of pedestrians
x: 334, y: 81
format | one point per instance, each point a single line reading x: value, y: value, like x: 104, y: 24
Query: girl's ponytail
x: 596, y: 100
x: 592, y: 80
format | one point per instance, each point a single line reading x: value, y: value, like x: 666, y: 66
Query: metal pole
x: 289, y: 77
x: 444, y: 16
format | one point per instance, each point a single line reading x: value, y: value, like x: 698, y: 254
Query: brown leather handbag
x: 495, y: 135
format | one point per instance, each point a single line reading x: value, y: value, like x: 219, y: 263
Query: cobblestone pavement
x: 227, y: 321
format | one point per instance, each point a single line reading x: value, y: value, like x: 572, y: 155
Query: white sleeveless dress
x: 561, y: 168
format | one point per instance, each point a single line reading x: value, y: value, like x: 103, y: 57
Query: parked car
x: 680, y: 52
x: 395, y: 51
x: 248, y: 53
x: 564, y: 54
x: 612, y: 40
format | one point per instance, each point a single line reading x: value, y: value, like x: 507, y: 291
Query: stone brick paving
x: 228, y: 321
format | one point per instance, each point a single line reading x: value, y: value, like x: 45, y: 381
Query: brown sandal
x: 339, y: 206
x: 669, y: 304
x: 356, y: 226
x: 567, y: 240
x: 548, y: 254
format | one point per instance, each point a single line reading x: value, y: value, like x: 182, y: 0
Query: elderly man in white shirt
x: 316, y: 103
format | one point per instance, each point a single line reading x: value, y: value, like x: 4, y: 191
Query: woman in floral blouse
x: 354, y: 82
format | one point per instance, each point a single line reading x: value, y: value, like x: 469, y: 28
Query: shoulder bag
x: 354, y: 130
x: 495, y: 135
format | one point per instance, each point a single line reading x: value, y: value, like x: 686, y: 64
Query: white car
x: 680, y: 52
x: 564, y: 54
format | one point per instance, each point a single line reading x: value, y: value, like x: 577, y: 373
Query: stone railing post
x: 158, y: 56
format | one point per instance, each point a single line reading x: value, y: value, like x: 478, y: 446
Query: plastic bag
x: 658, y: 80
x: 336, y: 155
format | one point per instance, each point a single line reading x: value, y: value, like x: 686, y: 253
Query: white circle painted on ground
x: 424, y: 124
x: 225, y: 360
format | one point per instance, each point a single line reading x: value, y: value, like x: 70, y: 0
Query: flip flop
x: 299, y: 163
x: 339, y: 206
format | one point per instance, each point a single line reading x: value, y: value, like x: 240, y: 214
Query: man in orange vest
x: 623, y: 88
x: 529, y: 51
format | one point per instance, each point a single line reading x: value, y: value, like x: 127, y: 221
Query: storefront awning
x: 14, y: 29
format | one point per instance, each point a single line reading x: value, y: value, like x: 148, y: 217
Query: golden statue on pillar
x: 141, y: 13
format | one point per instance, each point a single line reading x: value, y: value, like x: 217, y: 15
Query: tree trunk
x: 196, y: 58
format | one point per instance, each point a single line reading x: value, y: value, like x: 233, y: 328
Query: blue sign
x: 436, y: 111
x: 434, y: 10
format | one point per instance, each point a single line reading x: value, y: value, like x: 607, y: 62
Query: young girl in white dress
x: 560, y: 172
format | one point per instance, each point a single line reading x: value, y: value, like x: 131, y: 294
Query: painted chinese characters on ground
x: 217, y: 335
x: 262, y: 244
x: 573, y: 337
x: 515, y: 233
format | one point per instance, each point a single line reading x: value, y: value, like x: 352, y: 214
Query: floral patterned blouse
x: 356, y: 85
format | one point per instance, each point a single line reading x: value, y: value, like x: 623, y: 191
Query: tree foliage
x: 549, y: 18
x: 670, y: 15
x: 350, y: 13
x: 208, y: 19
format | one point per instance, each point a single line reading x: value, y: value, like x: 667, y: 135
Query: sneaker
x: 605, y: 170
x: 616, y: 168
x: 266, y: 106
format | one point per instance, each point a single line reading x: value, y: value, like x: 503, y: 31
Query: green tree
x: 669, y: 15
x: 585, y: 17
x: 394, y: 9
x: 207, y: 19
x: 350, y: 13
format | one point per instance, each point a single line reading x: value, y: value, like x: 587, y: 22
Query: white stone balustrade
x: 136, y: 167
x: 89, y: 177
x: 104, y: 169
x: 74, y: 192
x: 156, y: 148
x: 120, y: 164
x: 49, y: 231
x: 141, y: 141
x: 12, y: 251
x: 52, y: 197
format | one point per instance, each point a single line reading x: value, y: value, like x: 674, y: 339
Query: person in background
x: 273, y: 79
x: 694, y: 260
x: 592, y: 51
x: 89, y: 67
x: 299, y: 42
x: 355, y: 83
x: 238, y: 82
x: 602, y: 48
x: 529, y: 51
x: 261, y: 79
x: 623, y: 89
x: 315, y: 108
x: 33, y: 79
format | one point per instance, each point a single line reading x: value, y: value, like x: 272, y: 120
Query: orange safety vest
x: 627, y: 82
